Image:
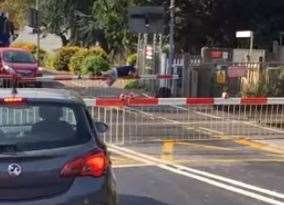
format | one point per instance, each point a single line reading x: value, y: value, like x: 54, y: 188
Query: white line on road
x: 212, y: 179
x: 132, y: 165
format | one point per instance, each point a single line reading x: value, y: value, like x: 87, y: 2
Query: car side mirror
x: 101, y: 127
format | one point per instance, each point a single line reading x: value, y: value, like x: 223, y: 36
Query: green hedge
x: 98, y: 51
x: 133, y: 84
x: 48, y: 61
x: 94, y: 65
x: 63, y: 57
x: 76, y: 61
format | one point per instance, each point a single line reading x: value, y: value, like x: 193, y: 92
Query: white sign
x: 244, y: 34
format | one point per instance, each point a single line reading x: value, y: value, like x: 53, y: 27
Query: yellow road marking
x: 242, y: 141
x: 168, y: 147
x: 167, y: 150
x: 205, y: 146
x: 260, y: 146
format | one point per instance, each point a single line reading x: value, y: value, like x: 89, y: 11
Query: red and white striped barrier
x: 72, y: 77
x: 139, y: 101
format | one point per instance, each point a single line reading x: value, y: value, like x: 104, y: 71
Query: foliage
x: 77, y: 59
x: 259, y: 89
x: 48, y: 61
x: 63, y: 57
x: 89, y: 30
x: 216, y: 88
x: 98, y: 51
x: 214, y: 22
x: 132, y: 84
x: 94, y: 65
x: 276, y: 84
x: 111, y: 17
x: 17, y: 10
x: 60, y: 18
x: 198, y: 22
x: 273, y: 88
x: 132, y: 59
x: 32, y: 48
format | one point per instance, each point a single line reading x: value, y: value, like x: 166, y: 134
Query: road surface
x: 260, y: 173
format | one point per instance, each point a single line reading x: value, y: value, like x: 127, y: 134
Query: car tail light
x: 93, y: 164
x: 13, y: 101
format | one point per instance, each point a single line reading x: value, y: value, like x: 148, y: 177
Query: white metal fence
x: 192, y: 119
x: 137, y: 120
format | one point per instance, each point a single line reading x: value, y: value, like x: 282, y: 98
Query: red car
x: 18, y: 61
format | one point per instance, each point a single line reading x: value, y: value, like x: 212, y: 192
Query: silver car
x: 50, y: 152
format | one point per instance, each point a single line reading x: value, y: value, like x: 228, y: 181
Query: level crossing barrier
x: 134, y: 120
x: 138, y: 119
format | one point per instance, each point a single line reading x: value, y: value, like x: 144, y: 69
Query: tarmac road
x: 152, y: 184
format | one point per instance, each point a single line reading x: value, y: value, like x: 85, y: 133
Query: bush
x: 276, y: 83
x: 63, y: 57
x: 77, y: 60
x: 32, y: 48
x: 94, y: 65
x: 133, y: 84
x: 259, y: 89
x: 48, y: 61
x: 132, y: 59
x: 98, y: 51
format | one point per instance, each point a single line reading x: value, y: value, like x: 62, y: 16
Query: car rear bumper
x: 84, y: 191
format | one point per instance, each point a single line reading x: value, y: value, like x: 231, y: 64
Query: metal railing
x: 147, y: 120
x: 135, y: 120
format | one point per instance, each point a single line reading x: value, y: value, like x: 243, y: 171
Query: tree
x: 198, y: 22
x: 17, y: 10
x: 111, y: 18
x: 60, y: 17
x: 214, y: 22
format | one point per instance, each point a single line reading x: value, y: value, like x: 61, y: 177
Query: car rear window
x: 37, y: 126
x: 18, y: 57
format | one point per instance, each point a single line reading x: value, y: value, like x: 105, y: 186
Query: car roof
x: 12, y: 49
x: 44, y: 94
